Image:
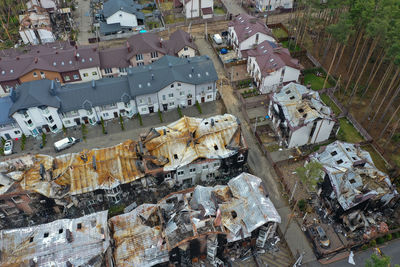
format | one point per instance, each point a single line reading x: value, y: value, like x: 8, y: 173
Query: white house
x: 171, y: 82
x: 123, y: 12
x: 271, y: 5
x: 245, y: 31
x: 196, y: 8
x: 299, y: 117
x: 9, y: 129
x: 271, y: 66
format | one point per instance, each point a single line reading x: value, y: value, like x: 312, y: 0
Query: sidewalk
x: 95, y: 137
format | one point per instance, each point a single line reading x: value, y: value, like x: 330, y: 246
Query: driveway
x: 234, y: 6
x: 295, y: 237
x: 83, y: 21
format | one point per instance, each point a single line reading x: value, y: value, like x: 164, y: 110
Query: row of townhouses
x: 268, y: 63
x: 209, y: 220
x: 46, y: 105
x: 184, y: 153
x: 65, y: 63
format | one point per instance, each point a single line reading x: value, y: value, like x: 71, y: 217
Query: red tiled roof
x: 207, y: 11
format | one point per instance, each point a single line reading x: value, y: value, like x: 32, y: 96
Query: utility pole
x: 268, y: 8
x: 290, y: 218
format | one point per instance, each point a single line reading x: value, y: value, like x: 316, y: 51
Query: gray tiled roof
x: 34, y: 94
x: 139, y: 81
x: 5, y: 105
x: 152, y: 78
x: 112, y: 6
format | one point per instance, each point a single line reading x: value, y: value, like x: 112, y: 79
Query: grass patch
x: 147, y: 11
x: 179, y: 112
x: 116, y: 210
x: 170, y: 19
x: 279, y: 33
x: 328, y: 101
x: 316, y: 82
x: 160, y: 116
x: 219, y: 11
x: 166, y: 5
x: 272, y: 148
x: 293, y: 47
x: 199, y: 107
x: 376, y: 157
x: 348, y: 133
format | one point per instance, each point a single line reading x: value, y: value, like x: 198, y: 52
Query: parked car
x: 217, y: 39
x: 65, y: 143
x: 8, y: 147
x: 323, y: 239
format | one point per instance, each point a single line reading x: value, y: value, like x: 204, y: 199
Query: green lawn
x: 328, y: 101
x: 166, y: 5
x: 171, y: 19
x: 348, y: 133
x: 376, y: 157
x: 219, y: 11
x: 279, y: 33
x: 316, y: 81
x: 292, y: 47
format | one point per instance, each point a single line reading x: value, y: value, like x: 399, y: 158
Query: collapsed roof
x: 300, y: 105
x: 67, y: 242
x: 144, y: 235
x: 183, y: 142
x: 353, y: 175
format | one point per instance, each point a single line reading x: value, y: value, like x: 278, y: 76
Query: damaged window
x: 31, y: 239
x: 46, y: 235
x: 79, y: 226
x: 60, y: 231
x: 216, y: 147
x: 339, y: 161
x: 291, y: 98
x: 334, y: 153
x: 240, y: 158
x: 192, y: 170
x: 180, y: 173
x: 352, y: 181
x: 175, y: 156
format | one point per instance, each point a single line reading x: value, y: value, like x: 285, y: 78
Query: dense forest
x: 358, y: 43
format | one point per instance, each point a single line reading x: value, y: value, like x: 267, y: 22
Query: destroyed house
x: 84, y: 241
x: 184, y: 153
x: 188, y: 223
x: 299, y: 116
x: 351, y: 179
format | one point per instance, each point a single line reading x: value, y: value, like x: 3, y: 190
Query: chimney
x: 128, y: 46
x: 36, y: 60
x: 152, y: 76
x: 193, y: 69
x: 17, y: 58
x: 76, y: 55
x: 14, y: 95
x: 160, y: 43
x: 52, y: 90
x: 212, y: 122
x: 93, y: 84
x: 94, y: 162
x: 42, y: 171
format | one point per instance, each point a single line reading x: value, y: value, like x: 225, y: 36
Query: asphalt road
x: 391, y: 249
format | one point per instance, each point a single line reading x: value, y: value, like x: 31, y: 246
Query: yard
x: 328, y: 101
x: 376, y: 157
x: 348, y: 133
x: 219, y: 11
x: 166, y: 5
x: 279, y: 33
x: 293, y: 47
x: 170, y: 19
x: 317, y: 82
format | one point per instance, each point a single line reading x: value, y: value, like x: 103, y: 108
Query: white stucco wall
x: 123, y: 18
x: 10, y: 130
x: 180, y: 92
x: 190, y: 52
x: 291, y: 74
x: 198, y: 172
x: 249, y: 42
x: 92, y: 74
x: 301, y: 136
x: 262, y: 4
x: 192, y: 9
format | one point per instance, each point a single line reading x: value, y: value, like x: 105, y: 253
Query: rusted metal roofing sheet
x: 188, y: 139
x: 56, y: 243
x: 83, y: 172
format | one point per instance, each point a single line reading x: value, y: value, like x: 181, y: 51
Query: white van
x: 217, y: 39
x: 64, y: 143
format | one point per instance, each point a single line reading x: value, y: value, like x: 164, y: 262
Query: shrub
x: 380, y: 240
x: 64, y: 129
x: 180, y: 112
x: 388, y: 237
x: 23, y: 141
x: 199, y: 107
x: 364, y: 247
x: 302, y: 204
x: 160, y: 115
x: 140, y: 119
x: 372, y: 243
x: 84, y: 131
x: 43, y: 139
x: 1, y: 151
x: 396, y: 234
x: 103, y: 128
x: 121, y: 122
x: 3, y: 141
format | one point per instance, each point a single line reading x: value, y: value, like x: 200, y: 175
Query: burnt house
x: 182, y: 154
x: 351, y: 180
x: 196, y: 222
